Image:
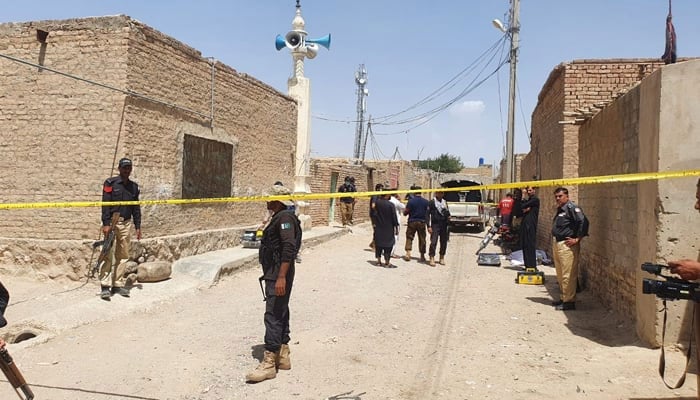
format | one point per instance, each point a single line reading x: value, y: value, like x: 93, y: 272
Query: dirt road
x: 414, y: 332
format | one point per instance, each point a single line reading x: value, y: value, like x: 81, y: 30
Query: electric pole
x: 514, y: 31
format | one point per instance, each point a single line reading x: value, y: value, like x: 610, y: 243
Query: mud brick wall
x: 323, y: 171
x: 645, y: 221
x: 555, y: 147
x: 61, y: 136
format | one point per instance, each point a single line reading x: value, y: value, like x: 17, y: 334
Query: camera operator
x: 690, y: 270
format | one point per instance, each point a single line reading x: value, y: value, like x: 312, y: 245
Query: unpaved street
x: 360, y: 332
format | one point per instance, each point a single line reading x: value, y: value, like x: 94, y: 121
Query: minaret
x: 299, y: 88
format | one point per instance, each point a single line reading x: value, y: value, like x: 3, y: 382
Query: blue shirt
x: 417, y: 209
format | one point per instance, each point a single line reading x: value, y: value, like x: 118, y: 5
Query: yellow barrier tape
x: 622, y: 178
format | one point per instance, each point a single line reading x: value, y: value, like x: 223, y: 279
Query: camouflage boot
x: 265, y: 370
x: 432, y: 261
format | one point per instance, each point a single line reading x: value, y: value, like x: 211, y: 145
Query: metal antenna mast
x: 362, y: 92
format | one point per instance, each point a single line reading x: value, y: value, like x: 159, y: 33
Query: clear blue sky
x: 410, y: 48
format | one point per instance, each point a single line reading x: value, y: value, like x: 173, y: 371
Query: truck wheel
x: 481, y: 227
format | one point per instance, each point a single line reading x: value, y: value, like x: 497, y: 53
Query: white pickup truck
x: 466, y: 206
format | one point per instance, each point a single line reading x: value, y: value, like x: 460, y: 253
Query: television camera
x: 671, y: 288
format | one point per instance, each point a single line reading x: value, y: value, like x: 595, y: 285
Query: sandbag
x: 154, y: 271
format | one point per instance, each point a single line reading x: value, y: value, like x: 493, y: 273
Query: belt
x: 562, y: 238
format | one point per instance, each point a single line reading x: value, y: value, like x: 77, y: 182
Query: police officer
x: 567, y: 231
x: 437, y: 221
x: 119, y: 188
x: 278, y: 249
x: 347, y: 203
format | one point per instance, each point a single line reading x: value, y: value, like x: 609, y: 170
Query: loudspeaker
x: 279, y: 42
x: 311, y: 50
x: 293, y: 39
x: 323, y: 41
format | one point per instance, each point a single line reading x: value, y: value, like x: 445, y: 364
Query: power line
x: 451, y: 83
x: 103, y: 85
x: 522, y: 114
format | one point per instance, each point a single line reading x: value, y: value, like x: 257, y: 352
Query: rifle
x: 106, y: 244
x: 13, y: 375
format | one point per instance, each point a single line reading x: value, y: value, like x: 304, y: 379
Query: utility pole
x: 514, y: 31
x: 362, y: 92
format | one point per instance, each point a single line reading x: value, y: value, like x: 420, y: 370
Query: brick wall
x: 61, y: 136
x: 646, y: 221
x: 609, y: 145
x: 366, y: 176
x: 554, y: 149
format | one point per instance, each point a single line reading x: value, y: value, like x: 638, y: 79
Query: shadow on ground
x: 590, y: 319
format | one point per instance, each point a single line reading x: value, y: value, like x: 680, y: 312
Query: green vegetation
x: 444, y: 163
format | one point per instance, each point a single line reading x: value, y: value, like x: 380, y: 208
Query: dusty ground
x: 460, y: 331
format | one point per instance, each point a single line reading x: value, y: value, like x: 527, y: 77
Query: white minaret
x: 299, y: 88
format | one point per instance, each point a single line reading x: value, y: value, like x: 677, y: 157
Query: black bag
x: 445, y: 213
x: 584, y: 225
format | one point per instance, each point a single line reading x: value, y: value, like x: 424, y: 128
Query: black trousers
x: 439, y: 232
x: 528, y: 240
x: 277, y: 316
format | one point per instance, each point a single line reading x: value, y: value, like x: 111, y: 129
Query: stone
x: 154, y: 271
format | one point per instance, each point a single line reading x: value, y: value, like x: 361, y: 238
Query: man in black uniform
x: 437, y: 221
x: 119, y: 188
x: 568, y: 229
x: 278, y: 249
x: 528, y: 228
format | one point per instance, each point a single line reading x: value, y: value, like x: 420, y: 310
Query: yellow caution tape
x: 591, y: 180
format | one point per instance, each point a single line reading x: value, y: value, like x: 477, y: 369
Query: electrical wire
x: 451, y: 83
x: 472, y: 85
x: 103, y: 85
x: 522, y: 113
x: 427, y: 117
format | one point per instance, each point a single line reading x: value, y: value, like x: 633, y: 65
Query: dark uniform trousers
x: 439, y: 232
x: 277, y: 314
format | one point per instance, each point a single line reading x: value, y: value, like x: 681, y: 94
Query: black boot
x: 565, y: 306
x: 105, y: 294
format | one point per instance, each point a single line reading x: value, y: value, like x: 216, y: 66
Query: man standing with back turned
x: 417, y: 211
x: 119, y: 188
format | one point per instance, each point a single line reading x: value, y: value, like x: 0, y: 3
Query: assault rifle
x: 106, y: 244
x: 8, y: 367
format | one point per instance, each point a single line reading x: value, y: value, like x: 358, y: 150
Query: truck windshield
x: 470, y: 196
